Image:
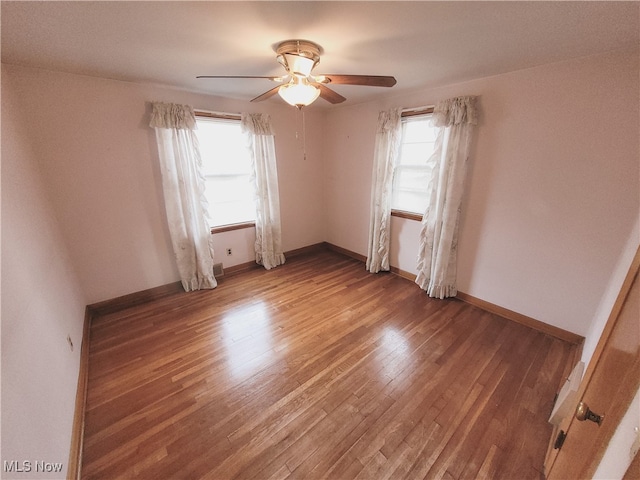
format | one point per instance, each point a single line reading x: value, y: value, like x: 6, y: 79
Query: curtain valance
x: 257, y: 124
x: 456, y: 111
x: 172, y: 115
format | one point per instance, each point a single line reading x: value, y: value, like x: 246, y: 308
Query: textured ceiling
x: 420, y: 43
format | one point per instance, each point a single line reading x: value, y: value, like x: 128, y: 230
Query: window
x: 226, y: 166
x: 413, y: 170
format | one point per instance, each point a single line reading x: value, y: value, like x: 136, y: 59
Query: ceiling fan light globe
x: 299, y: 94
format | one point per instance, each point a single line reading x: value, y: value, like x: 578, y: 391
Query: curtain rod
x: 410, y: 112
x: 226, y: 116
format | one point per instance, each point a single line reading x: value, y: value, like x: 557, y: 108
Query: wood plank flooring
x: 317, y: 369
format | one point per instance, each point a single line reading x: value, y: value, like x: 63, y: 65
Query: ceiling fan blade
x: 267, y: 94
x: 328, y: 94
x: 275, y: 79
x: 366, y: 80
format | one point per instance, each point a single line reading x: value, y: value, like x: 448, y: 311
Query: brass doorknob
x: 583, y: 413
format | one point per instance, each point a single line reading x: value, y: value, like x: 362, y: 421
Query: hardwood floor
x: 317, y: 369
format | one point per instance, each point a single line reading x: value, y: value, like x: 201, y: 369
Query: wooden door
x: 609, y: 384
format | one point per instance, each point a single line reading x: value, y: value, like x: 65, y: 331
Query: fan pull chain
x: 304, y: 138
x: 304, y: 132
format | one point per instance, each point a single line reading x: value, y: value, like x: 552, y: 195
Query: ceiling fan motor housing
x: 298, y: 57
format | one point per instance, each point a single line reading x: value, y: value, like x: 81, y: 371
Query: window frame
x: 225, y: 116
x: 412, y: 112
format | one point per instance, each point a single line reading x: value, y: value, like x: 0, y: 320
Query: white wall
x: 553, y: 186
x: 350, y: 133
x: 99, y: 158
x: 42, y: 303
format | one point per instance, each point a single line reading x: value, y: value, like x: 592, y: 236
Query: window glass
x: 226, y: 167
x: 415, y: 165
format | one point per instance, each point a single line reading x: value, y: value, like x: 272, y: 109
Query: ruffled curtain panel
x: 260, y: 139
x: 183, y: 188
x: 387, y: 149
x: 437, y: 257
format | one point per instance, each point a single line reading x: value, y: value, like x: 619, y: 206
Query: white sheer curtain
x: 260, y: 138
x: 184, y: 199
x: 437, y: 256
x: 385, y: 155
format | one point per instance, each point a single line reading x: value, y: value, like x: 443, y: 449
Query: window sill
x: 408, y: 215
x: 233, y: 226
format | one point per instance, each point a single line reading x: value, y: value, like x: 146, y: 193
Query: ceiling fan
x: 298, y: 86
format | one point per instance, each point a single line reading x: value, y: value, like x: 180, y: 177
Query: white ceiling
x: 420, y: 43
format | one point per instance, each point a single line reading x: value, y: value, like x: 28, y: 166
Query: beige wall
x: 553, y: 186
x: 42, y: 303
